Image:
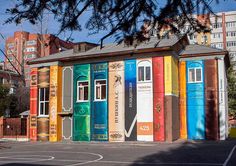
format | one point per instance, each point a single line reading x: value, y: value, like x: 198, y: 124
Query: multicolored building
x: 158, y: 90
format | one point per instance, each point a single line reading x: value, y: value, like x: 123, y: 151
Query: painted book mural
x: 67, y: 90
x: 43, y: 90
x: 195, y: 100
x: 182, y: 98
x: 211, y: 99
x: 222, y: 100
x: 43, y: 129
x: 144, y: 100
x: 172, y: 130
x: 130, y: 101
x: 116, y: 101
x: 81, y: 116
x: 55, y: 103
x: 67, y: 102
x: 99, y: 97
x: 158, y: 99
x: 33, y: 103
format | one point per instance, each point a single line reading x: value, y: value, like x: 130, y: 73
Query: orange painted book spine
x: 182, y: 99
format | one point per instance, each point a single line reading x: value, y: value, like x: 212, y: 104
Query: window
x: 10, y: 45
x: 82, y: 91
x: 30, y: 56
x: 231, y: 24
x: 231, y: 44
x: 144, y: 73
x: 31, y: 42
x: 216, y: 35
x: 43, y: 101
x: 217, y: 25
x: 100, y: 90
x: 30, y: 49
x: 194, y: 75
x: 231, y: 34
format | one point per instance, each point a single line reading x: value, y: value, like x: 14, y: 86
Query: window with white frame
x: 144, y: 73
x: 30, y: 49
x: 231, y: 44
x: 31, y: 42
x: 217, y: 25
x: 100, y: 90
x: 231, y: 24
x: 82, y: 91
x: 231, y: 34
x: 195, y: 75
x: 43, y: 101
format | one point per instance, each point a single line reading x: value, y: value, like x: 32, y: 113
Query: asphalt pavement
x: 118, y: 154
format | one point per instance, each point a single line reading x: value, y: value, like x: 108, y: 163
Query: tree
x: 16, y: 102
x: 118, y: 17
x: 232, y: 91
x: 4, y: 90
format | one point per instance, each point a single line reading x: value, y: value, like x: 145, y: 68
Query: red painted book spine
x: 33, y: 103
x: 158, y: 99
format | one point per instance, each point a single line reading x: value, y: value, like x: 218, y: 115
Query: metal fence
x: 14, y: 126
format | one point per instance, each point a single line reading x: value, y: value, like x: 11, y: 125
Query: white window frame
x: 145, y: 66
x: 31, y: 42
x: 195, y: 74
x: 78, y: 95
x: 44, y: 104
x: 95, y: 89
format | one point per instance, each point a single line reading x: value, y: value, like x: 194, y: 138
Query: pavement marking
x: 100, y: 157
x: 25, y: 159
x: 229, y: 156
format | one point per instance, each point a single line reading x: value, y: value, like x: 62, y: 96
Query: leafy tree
x: 4, y: 91
x: 16, y: 103
x: 232, y: 91
x: 118, y: 17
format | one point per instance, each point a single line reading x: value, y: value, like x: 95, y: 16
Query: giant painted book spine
x: 99, y: 96
x: 211, y: 99
x: 158, y: 99
x: 171, y: 98
x: 116, y: 101
x: 43, y: 122
x: 130, y: 101
x: 67, y: 102
x: 81, y: 116
x: 195, y: 102
x: 182, y: 102
x: 222, y: 99
x: 33, y: 103
x: 55, y: 103
x: 43, y: 129
x: 144, y: 100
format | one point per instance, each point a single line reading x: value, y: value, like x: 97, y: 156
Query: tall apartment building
x: 24, y: 46
x: 222, y: 34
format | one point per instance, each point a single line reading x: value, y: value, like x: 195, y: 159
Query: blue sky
x: 52, y: 26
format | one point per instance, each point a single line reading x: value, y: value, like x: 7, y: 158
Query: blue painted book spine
x: 195, y: 100
x: 99, y: 96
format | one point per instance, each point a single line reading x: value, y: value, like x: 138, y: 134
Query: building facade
x: 159, y: 90
x: 24, y: 46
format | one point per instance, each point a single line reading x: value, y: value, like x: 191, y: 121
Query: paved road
x: 124, y: 154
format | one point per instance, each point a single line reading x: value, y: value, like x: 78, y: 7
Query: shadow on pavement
x: 191, y: 153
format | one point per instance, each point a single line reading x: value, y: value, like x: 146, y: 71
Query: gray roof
x: 25, y: 113
x: 111, y: 48
x: 199, y: 49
